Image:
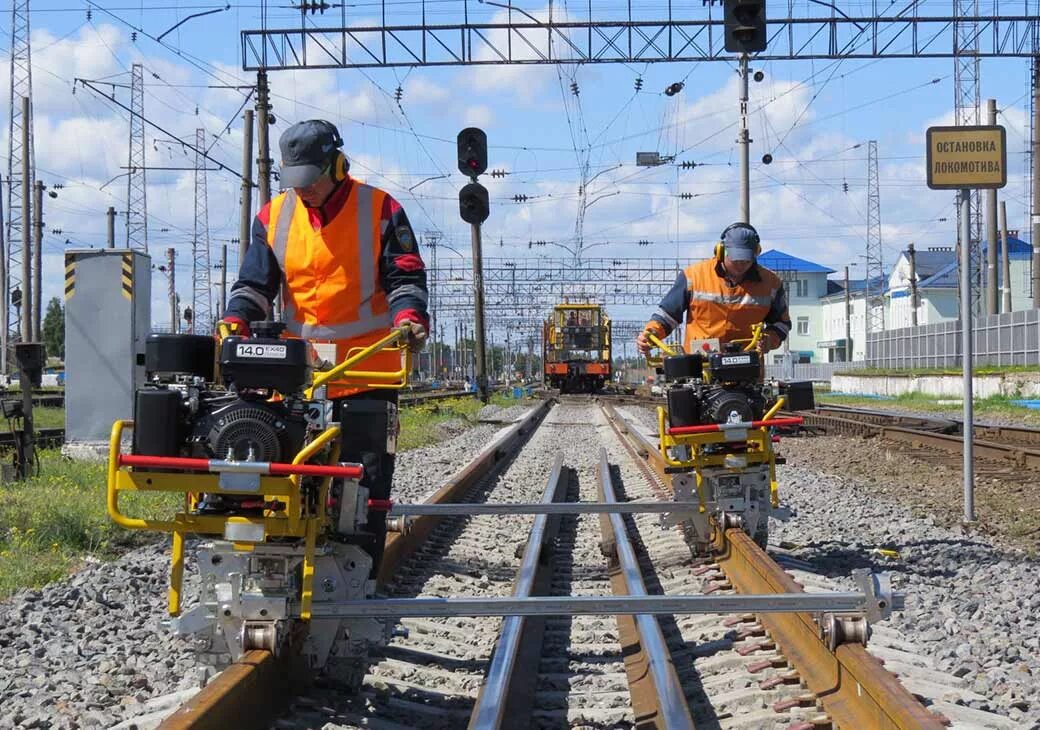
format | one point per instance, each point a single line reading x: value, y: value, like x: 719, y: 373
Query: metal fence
x: 820, y: 372
x: 999, y: 339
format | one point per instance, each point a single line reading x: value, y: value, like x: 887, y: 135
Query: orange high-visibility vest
x: 726, y: 312
x: 331, y: 292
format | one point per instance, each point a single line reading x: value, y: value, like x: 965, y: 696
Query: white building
x: 806, y: 284
x: 937, y: 283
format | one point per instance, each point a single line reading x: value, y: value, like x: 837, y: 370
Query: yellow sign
x: 967, y: 157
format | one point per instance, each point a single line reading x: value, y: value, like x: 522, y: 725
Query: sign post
x: 967, y: 158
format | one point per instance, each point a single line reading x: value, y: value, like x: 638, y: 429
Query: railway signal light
x: 474, y: 206
x: 472, y: 152
x: 745, y: 26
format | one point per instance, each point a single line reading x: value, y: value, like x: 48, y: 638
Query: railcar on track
x: 576, y: 348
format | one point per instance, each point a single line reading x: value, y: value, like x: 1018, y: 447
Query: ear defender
x: 338, y: 166
x: 720, y: 249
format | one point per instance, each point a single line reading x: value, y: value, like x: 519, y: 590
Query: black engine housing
x: 181, y: 412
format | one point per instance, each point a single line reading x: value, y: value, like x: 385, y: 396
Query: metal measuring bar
x: 543, y: 508
x: 491, y: 705
x: 838, y: 602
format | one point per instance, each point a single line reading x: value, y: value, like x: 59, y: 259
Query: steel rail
x: 985, y: 449
x: 672, y: 710
x: 853, y: 687
x: 490, y: 709
x: 259, y: 679
x: 400, y: 545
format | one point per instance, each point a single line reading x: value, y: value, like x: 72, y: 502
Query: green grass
x: 50, y: 523
x: 418, y: 422
x: 43, y: 417
x: 978, y: 370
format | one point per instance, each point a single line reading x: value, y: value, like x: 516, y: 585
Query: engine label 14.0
x: 270, y: 351
x: 726, y: 359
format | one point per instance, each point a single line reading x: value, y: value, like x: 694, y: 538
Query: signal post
x: 474, y: 207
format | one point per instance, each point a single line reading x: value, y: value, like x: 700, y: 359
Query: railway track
x: 1001, y: 446
x: 587, y: 668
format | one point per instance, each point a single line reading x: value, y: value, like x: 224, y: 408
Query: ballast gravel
x: 972, y: 605
x: 89, y: 651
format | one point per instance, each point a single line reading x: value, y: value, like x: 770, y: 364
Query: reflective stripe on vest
x: 368, y: 273
x: 735, y: 300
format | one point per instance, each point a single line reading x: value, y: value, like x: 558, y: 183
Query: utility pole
x: 914, y: 304
x: 27, y: 300
x: 744, y: 141
x: 991, y: 229
x: 37, y: 260
x: 1005, y: 260
x: 1035, y: 213
x: 111, y: 215
x: 171, y: 272
x: 263, y: 161
x: 848, y: 318
x: 246, y: 221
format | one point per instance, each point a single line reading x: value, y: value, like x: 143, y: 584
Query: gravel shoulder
x: 89, y: 651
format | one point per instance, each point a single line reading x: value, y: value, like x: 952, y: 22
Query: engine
x: 720, y: 387
x: 184, y: 411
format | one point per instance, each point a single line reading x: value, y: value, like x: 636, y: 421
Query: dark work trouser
x: 368, y: 423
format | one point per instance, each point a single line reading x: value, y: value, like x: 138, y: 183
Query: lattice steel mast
x: 201, y: 295
x: 17, y: 196
x: 875, y: 269
x: 136, y: 187
x: 967, y: 113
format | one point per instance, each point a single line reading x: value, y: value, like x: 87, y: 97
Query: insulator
x: 574, y: 88
x: 639, y: 83
x: 398, y: 93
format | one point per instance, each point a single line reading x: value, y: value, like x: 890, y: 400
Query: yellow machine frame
x: 296, y: 520
x: 759, y: 441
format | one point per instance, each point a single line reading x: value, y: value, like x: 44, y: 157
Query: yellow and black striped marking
x: 70, y: 276
x: 128, y: 276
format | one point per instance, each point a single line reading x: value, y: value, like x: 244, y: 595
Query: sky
x: 399, y: 125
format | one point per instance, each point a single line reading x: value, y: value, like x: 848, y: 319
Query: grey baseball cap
x: 740, y: 243
x: 306, y: 149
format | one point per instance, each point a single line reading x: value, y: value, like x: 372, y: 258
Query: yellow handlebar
x: 396, y: 340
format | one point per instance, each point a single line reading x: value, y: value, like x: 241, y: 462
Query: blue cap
x: 741, y: 243
x: 307, y: 148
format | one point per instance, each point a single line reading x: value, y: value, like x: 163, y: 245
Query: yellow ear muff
x: 720, y: 251
x: 337, y: 167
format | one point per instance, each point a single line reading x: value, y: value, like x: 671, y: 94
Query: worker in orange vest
x: 724, y: 297
x: 347, y: 262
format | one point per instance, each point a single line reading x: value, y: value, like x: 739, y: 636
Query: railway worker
x: 724, y: 297
x: 348, y: 263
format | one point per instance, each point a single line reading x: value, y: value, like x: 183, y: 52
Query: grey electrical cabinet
x: 108, y: 316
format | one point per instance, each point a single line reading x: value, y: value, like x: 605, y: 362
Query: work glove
x: 232, y: 326
x: 643, y: 343
x: 416, y: 335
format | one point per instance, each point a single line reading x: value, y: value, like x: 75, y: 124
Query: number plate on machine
x: 257, y: 350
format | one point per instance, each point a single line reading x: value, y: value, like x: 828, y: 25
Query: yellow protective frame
x: 294, y: 521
